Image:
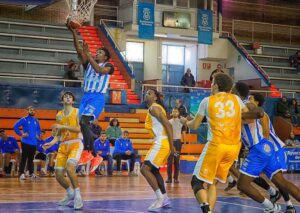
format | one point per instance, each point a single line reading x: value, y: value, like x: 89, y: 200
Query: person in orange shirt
x: 224, y: 114
x: 67, y: 131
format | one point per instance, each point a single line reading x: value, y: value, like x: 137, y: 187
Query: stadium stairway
x: 274, y: 60
x: 134, y: 123
x: 119, y: 81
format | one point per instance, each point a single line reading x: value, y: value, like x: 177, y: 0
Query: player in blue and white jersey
x: 261, y: 158
x: 96, y: 81
x: 268, y: 130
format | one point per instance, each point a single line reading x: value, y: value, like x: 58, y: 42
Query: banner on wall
x: 205, y: 26
x: 146, y: 20
x: 293, y: 158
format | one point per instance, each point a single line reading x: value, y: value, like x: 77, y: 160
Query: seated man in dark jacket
x: 124, y: 151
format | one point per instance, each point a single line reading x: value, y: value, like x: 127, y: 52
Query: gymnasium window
x: 173, y: 54
x: 135, y: 51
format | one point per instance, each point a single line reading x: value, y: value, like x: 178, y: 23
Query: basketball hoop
x: 80, y: 10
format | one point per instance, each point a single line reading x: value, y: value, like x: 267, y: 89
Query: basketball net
x: 80, y: 10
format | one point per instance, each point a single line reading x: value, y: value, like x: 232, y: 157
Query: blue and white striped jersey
x: 277, y: 142
x: 96, y: 82
x: 252, y: 133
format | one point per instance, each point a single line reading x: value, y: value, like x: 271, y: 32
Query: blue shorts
x: 281, y: 159
x: 261, y: 158
x: 92, y: 104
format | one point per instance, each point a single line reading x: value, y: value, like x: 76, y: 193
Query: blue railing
x: 122, y: 58
x: 264, y: 76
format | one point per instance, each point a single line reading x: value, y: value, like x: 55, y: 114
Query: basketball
x: 74, y: 24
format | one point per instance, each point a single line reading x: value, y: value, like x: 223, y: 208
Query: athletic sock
x: 271, y: 191
x: 267, y: 203
x: 230, y: 179
x: 205, y: 207
x: 158, y: 194
x: 77, y: 192
x: 70, y: 191
x: 289, y: 203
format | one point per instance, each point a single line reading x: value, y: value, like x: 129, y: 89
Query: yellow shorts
x: 159, y: 152
x: 215, y: 161
x: 69, y: 151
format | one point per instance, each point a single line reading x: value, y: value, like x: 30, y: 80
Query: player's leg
x: 74, y: 153
x: 60, y: 165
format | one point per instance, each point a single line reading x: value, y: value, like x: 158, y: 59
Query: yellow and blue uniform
x: 71, y: 145
x: 224, y: 113
x: 160, y: 150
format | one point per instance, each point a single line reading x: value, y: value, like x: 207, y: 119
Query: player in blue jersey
x: 96, y: 80
x: 261, y: 158
x: 268, y: 131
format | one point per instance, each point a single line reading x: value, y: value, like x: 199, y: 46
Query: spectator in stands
x: 124, y: 151
x: 113, y: 131
x: 283, y: 108
x: 102, y: 148
x: 295, y: 61
x: 30, y: 133
x: 292, y: 141
x: 9, y: 147
x: 177, y: 127
x: 294, y: 111
x: 182, y: 109
x: 96, y: 129
x: 188, y: 80
x: 218, y: 70
x: 70, y: 74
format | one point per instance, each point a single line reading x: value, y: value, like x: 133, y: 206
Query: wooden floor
x: 105, y: 188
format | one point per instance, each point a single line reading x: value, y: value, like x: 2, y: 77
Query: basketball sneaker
x: 22, y: 177
x: 290, y: 209
x: 67, y: 199
x: 156, y: 205
x: 95, y: 162
x: 274, y: 198
x: 275, y: 209
x: 86, y: 156
x: 78, y: 204
x: 166, y: 202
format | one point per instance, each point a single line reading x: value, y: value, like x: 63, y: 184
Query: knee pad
x: 196, y: 184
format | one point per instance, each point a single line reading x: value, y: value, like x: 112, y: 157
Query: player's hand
x: 99, y: 152
x: 128, y: 152
x: 183, y: 120
x: 25, y: 134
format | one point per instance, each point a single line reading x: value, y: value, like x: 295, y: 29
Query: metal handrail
x: 102, y: 21
x: 202, y: 88
x: 271, y: 25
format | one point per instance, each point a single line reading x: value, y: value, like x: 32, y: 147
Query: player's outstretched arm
x: 252, y: 112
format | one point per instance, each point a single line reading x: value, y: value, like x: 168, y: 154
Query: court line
x: 110, y: 210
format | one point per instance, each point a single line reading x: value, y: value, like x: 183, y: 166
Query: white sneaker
x: 22, y: 177
x: 166, y: 202
x: 275, y: 209
x: 66, y: 200
x: 34, y: 177
x: 156, y: 205
x: 78, y: 204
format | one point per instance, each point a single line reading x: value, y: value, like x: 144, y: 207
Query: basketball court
x: 118, y: 194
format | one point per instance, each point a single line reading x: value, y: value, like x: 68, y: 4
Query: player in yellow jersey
x: 224, y: 113
x: 68, y: 133
x: 160, y: 128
